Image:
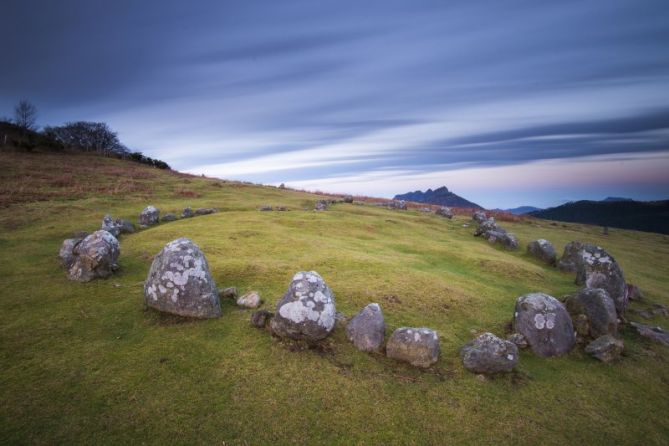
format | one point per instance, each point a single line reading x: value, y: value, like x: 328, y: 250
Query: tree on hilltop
x: 25, y: 115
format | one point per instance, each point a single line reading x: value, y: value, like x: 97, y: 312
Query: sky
x: 505, y: 103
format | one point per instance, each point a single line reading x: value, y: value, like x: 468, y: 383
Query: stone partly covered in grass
x: 598, y: 269
x: 125, y: 226
x: 204, y: 211
x: 571, y: 257
x: 250, y: 300
x: 321, y: 205
x: 180, y: 283
x: 93, y: 257
x: 109, y: 225
x: 657, y: 334
x: 489, y: 354
x: 169, y: 217
x: 545, y: 323
x: 366, y: 330
x: 417, y: 346
x: 593, y: 313
x: 605, y: 348
x: 149, y: 216
x: 307, y: 310
x: 261, y: 318
x: 187, y: 213
x: 444, y: 212
x: 491, y: 231
x: 543, y: 250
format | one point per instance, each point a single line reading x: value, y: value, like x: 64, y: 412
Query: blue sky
x: 506, y: 103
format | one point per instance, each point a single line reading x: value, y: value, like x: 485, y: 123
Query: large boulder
x: 149, y: 216
x: 545, y: 323
x: 417, y: 346
x: 366, y: 330
x: 606, y: 348
x: 598, y: 269
x: 109, y: 225
x: 571, y: 257
x: 444, y: 212
x: 179, y: 282
x: 307, y: 310
x: 489, y: 354
x: 596, y: 309
x: 93, y: 257
x: 543, y: 250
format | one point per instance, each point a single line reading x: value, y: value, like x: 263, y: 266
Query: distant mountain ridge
x: 649, y: 216
x: 521, y: 210
x: 441, y: 196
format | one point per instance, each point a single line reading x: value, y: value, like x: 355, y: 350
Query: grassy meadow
x: 88, y: 364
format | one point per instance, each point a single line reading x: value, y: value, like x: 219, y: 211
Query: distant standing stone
x: 605, y: 348
x: 479, y: 217
x: 179, y: 282
x: 444, y: 212
x: 109, y: 225
x: 249, y: 300
x: 149, y: 216
x: 545, y: 323
x: 417, y: 346
x: 489, y: 354
x: 204, y: 211
x: 169, y: 217
x: 307, y: 310
x: 93, y: 257
x: 187, y: 213
x: 543, y: 250
x: 571, y: 258
x: 366, y: 330
x: 348, y: 199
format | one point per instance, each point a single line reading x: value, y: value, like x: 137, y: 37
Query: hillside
x: 87, y: 363
x: 441, y: 196
x: 650, y: 216
x: 522, y: 210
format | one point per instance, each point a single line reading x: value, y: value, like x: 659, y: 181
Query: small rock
x: 265, y: 208
x: 517, y: 339
x: 228, y: 293
x: 126, y: 226
x: 149, y: 216
x: 168, y: 217
x: 249, y: 300
x: 348, y: 199
x: 543, y: 250
x: 366, y: 330
x: 605, y: 348
x: 489, y: 354
x: 633, y: 292
x: 479, y: 217
x: 444, y: 212
x: 110, y: 226
x: 204, y: 211
x: 321, y: 205
x: 261, y: 318
x: 657, y: 334
x: 417, y: 346
x: 187, y: 213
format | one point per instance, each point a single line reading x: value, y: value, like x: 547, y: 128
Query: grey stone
x: 307, y: 310
x: 417, y: 346
x: 517, y: 339
x: 261, y: 318
x: 598, y: 269
x: 109, y: 225
x: 634, y: 292
x: 348, y: 199
x: 321, y: 205
x: 187, y: 213
x: 479, y: 217
x: 657, y: 334
x: 487, y: 225
x: 489, y: 354
x: 149, y: 216
x: 179, y: 282
x: 444, y: 212
x: 571, y: 257
x: 66, y: 252
x: 169, y: 217
x: 126, y: 226
x: 506, y: 239
x: 204, y: 211
x: 599, y: 311
x: 93, y: 257
x: 398, y: 204
x: 366, y: 330
x: 543, y: 250
x: 545, y: 323
x: 606, y: 348
x: 228, y: 293
x: 249, y: 300
x: 265, y: 208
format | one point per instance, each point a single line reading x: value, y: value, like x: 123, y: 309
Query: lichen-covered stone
x: 444, y: 212
x: 261, y: 318
x: 545, y: 323
x: 479, y: 217
x: 487, y: 225
x: 398, y: 204
x: 179, y: 282
x: 489, y: 354
x: 543, y: 250
x: 417, y: 346
x: 249, y: 300
x: 321, y: 205
x: 187, y: 212
x: 366, y: 330
x: 657, y: 334
x: 606, y: 348
x: 506, y: 239
x: 66, y: 252
x: 169, y: 217
x: 571, y: 257
x: 93, y: 257
x: 109, y: 225
x: 307, y: 310
x: 598, y: 269
x: 597, y: 308
x: 149, y: 216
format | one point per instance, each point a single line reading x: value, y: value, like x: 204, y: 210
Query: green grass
x: 86, y: 363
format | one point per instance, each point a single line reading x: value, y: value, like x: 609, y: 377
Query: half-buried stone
x: 180, y: 283
x: 598, y: 269
x: 417, y: 346
x: 543, y: 250
x: 307, y: 310
x: 489, y: 354
x: 545, y: 323
x: 93, y: 257
x: 366, y: 330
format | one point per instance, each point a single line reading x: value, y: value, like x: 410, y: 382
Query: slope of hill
x: 522, y: 210
x: 650, y: 216
x: 86, y: 363
x: 441, y: 196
